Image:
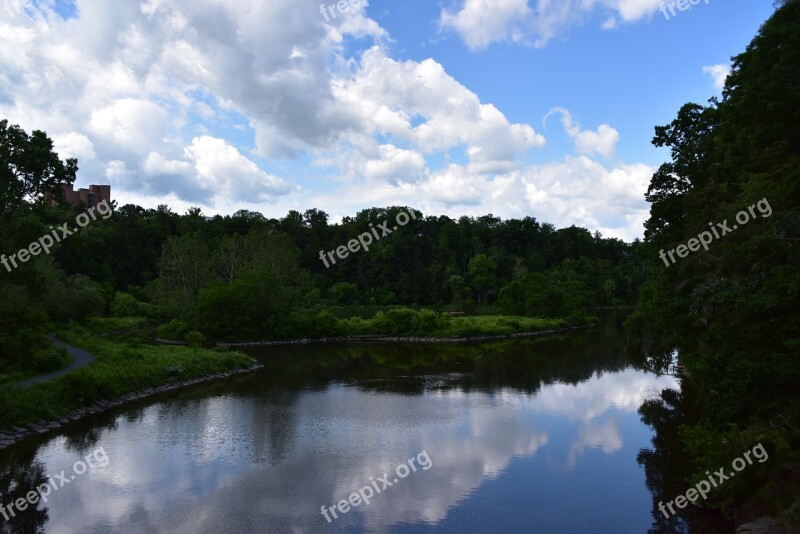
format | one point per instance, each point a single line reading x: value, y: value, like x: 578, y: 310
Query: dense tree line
x: 732, y: 311
x: 246, y: 276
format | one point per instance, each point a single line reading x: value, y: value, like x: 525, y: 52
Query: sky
x: 541, y: 108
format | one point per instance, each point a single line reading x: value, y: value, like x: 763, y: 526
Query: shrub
x: 125, y: 305
x: 428, y: 323
x: 401, y: 321
x: 380, y: 324
x: 343, y: 293
x: 326, y: 325
x: 195, y: 338
x: 49, y: 359
x: 174, y: 329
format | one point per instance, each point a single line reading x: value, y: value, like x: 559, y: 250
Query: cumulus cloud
x: 222, y: 167
x: 602, y: 142
x: 73, y: 145
x: 390, y: 93
x: 209, y: 168
x: 576, y: 191
x: 480, y: 23
x: 719, y: 73
x: 187, y: 101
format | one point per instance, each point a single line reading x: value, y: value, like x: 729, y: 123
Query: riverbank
x: 405, y: 339
x: 17, y: 434
x: 132, y: 368
x: 124, y: 371
x: 397, y: 325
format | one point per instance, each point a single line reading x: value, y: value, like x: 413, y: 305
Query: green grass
x: 426, y: 323
x: 122, y: 367
x: 487, y: 325
x: 104, y: 325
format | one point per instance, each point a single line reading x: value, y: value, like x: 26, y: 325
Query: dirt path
x: 81, y: 358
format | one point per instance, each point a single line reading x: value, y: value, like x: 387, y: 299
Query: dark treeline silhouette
x: 732, y: 311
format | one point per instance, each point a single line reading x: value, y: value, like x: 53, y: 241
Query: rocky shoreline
x: 17, y: 434
x: 400, y: 339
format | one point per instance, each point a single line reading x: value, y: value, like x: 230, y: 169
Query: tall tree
x: 29, y: 168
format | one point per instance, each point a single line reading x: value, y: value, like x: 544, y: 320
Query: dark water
x: 536, y: 435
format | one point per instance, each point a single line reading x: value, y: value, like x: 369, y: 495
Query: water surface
x: 533, y: 435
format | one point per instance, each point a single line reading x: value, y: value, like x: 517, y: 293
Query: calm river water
x: 533, y: 435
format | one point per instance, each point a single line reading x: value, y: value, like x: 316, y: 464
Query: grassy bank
x: 392, y: 322
x: 405, y: 322
x: 122, y: 367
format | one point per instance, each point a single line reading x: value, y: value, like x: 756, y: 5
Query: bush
x: 49, y: 359
x: 195, y: 338
x: 326, y: 325
x: 428, y: 322
x: 28, y: 352
x: 344, y: 293
x: 401, y: 321
x: 174, y: 329
x: 380, y: 324
x: 125, y: 305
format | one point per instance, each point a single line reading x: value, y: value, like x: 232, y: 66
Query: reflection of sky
x: 561, y: 459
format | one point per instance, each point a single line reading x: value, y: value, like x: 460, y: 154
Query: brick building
x: 89, y: 197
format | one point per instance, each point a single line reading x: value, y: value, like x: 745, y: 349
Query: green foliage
x: 125, y: 305
x: 40, y: 356
x: 174, y: 330
x: 535, y: 295
x: 68, y: 298
x: 185, y: 268
x: 344, y: 293
x: 759, y: 485
x: 256, y: 304
x: 427, y: 323
x: 195, y: 338
x: 481, y: 275
x: 97, y: 326
x: 732, y: 311
x: 29, y: 168
x: 49, y: 359
x: 120, y: 368
x: 245, y: 277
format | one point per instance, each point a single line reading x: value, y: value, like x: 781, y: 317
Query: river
x: 530, y: 435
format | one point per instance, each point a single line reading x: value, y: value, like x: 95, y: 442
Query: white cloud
x: 480, y: 23
x: 130, y: 125
x: 73, y: 145
x: 454, y: 186
x: 602, y: 142
x: 719, y: 73
x: 223, y: 168
x: 389, y: 93
x: 395, y: 164
x: 176, y: 100
x: 576, y: 191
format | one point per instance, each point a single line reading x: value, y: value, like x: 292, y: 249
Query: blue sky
x: 437, y: 105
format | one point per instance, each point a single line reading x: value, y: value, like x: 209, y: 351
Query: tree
x: 29, y: 168
x: 732, y: 311
x: 481, y: 276
x: 344, y: 293
x: 231, y: 257
x: 184, y: 269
